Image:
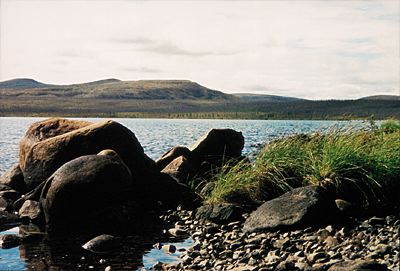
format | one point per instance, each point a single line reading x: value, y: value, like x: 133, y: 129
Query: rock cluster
x: 77, y: 176
x: 360, y: 245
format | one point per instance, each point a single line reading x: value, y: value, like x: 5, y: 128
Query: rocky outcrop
x: 42, y: 130
x: 45, y: 157
x: 14, y: 178
x: 77, y: 194
x: 301, y: 207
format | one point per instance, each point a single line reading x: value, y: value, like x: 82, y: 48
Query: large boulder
x: 14, y: 178
x: 171, y: 154
x: 218, y: 145
x: 45, y: 129
x: 46, y: 156
x: 76, y: 195
x: 301, y: 207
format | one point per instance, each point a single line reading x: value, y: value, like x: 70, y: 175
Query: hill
x: 264, y: 97
x: 21, y: 83
x: 382, y: 98
x: 176, y: 99
x: 114, y: 89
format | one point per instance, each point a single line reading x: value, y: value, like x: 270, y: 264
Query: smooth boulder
x: 76, y: 196
x: 298, y: 208
x: 45, y: 129
x: 45, y: 157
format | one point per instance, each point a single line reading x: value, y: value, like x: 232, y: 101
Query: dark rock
x: 313, y: 257
x: 180, y: 168
x: 218, y: 145
x: 169, y: 248
x: 4, y: 187
x: 77, y: 194
x: 6, y: 205
x: 171, y: 194
x: 10, y: 240
x: 45, y: 157
x: 8, y: 220
x: 14, y: 179
x: 31, y: 211
x: 102, y: 244
x: 10, y: 194
x: 171, y: 155
x: 377, y: 221
x: 222, y: 213
x: 299, y: 208
x: 358, y: 265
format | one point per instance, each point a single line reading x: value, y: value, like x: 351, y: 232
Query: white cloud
x: 310, y: 49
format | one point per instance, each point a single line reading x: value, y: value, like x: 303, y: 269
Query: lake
x: 156, y: 137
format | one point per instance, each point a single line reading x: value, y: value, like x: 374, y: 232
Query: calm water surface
x: 156, y: 137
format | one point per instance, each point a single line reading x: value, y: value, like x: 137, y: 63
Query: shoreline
x: 371, y: 242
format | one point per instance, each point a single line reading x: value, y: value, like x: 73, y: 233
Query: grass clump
x: 360, y: 166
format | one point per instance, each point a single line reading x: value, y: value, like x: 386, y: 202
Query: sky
x: 309, y: 49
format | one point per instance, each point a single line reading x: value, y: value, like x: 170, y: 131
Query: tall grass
x: 360, y: 166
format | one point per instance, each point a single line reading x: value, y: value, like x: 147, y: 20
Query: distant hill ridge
x: 142, y: 90
x: 115, y: 89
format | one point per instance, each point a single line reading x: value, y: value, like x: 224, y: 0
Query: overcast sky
x: 310, y: 49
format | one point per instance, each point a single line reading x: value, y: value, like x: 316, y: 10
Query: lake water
x: 156, y: 137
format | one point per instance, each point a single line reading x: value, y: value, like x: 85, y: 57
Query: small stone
x: 331, y: 242
x: 169, y: 248
x: 376, y: 221
x: 313, y: 257
x: 177, y: 232
x: 10, y: 240
x: 108, y: 268
x: 102, y: 261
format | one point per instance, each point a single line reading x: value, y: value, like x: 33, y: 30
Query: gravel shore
x: 371, y: 244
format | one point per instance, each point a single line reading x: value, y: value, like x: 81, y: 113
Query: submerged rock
x: 301, y: 207
x: 102, y: 244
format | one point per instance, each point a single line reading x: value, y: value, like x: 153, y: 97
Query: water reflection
x: 43, y: 253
